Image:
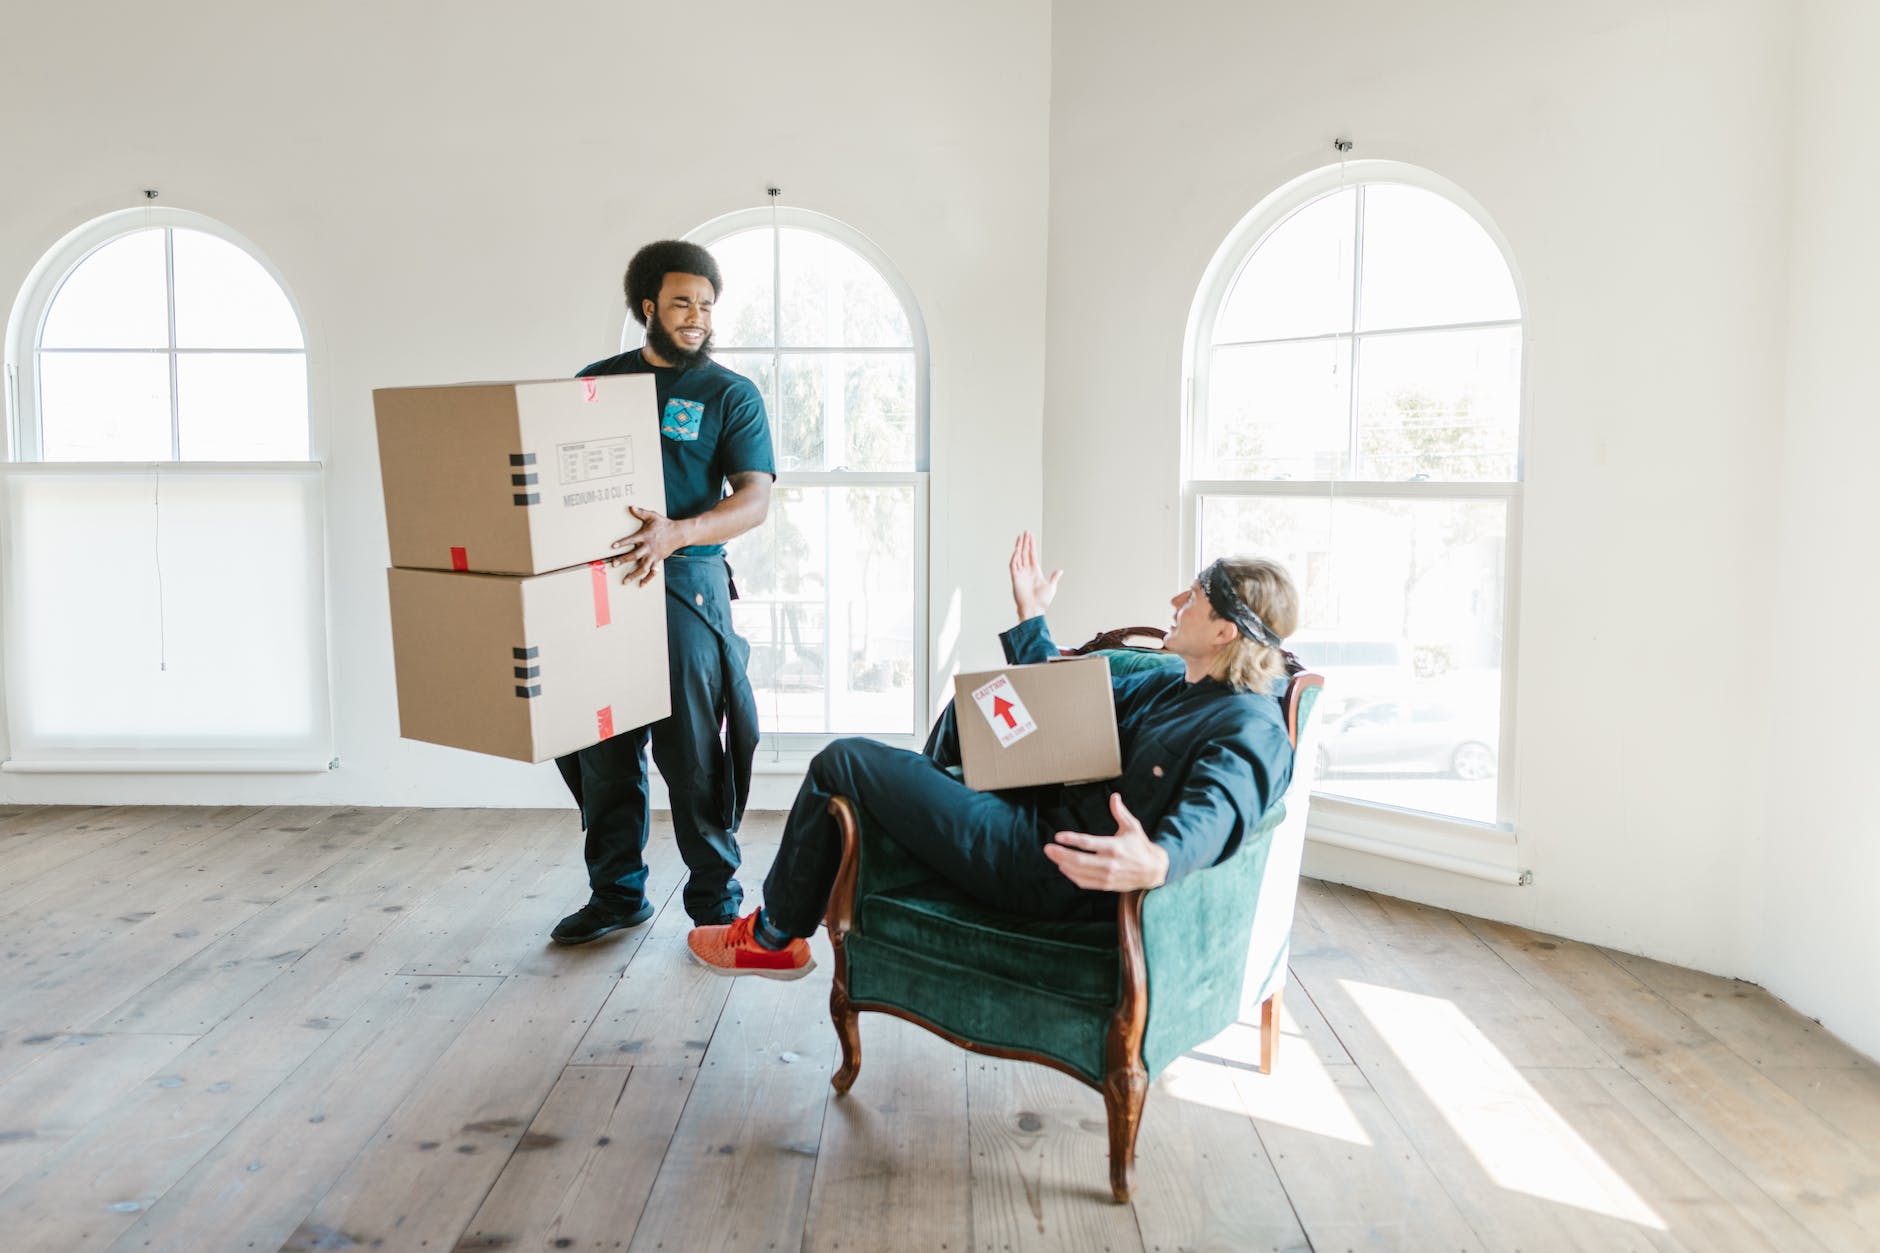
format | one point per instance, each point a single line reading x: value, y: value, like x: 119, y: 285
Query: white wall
x: 452, y: 193
x: 1821, y: 932
x: 1635, y: 157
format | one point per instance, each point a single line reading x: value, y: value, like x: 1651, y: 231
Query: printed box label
x: 595, y: 459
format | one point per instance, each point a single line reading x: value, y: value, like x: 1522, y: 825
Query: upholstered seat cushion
x: 1073, y: 959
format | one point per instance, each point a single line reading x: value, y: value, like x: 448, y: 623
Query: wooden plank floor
x: 328, y: 1029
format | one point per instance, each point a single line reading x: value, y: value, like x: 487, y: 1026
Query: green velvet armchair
x: 1110, y: 1004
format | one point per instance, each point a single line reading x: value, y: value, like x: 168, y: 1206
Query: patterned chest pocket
x: 681, y: 419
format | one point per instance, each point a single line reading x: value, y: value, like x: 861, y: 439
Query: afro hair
x: 647, y: 272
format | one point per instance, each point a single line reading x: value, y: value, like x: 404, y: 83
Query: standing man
x: 714, y: 435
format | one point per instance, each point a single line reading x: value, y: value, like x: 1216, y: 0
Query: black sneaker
x: 594, y: 920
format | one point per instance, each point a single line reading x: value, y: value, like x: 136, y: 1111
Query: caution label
x: 1005, y: 712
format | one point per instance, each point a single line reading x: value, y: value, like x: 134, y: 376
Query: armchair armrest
x: 1195, y: 933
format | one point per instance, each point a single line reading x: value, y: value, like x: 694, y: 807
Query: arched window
x: 1356, y: 385
x: 161, y: 336
x: 833, y: 586
x: 164, y: 563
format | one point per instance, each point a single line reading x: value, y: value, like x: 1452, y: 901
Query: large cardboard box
x: 517, y: 478
x: 1051, y: 722
x: 527, y: 668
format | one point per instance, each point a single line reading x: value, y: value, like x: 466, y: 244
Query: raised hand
x: 1032, y: 589
x: 1111, y: 863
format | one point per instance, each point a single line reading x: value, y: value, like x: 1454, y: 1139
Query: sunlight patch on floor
x: 1519, y: 1139
x: 1301, y: 1093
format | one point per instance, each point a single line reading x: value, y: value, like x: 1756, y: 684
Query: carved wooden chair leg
x: 1269, y: 1031
x: 1125, y: 1079
x: 840, y: 917
x: 848, y: 1025
x: 1124, y: 1091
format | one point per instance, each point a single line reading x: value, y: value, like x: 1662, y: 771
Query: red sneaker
x: 732, y: 949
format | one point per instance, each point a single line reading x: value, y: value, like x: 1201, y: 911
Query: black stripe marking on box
x: 528, y: 672
x: 529, y: 692
x: 532, y: 498
x: 521, y: 458
x: 524, y: 480
x: 525, y: 654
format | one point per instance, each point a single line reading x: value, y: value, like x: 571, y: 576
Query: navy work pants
x: 988, y: 845
x: 609, y: 779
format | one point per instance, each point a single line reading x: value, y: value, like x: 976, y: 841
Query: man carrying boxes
x: 522, y: 627
x: 713, y: 434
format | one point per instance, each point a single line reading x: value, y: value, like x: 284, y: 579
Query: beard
x: 664, y: 345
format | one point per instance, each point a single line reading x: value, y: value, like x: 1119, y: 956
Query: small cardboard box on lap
x: 1048, y: 722
x: 516, y: 478
x: 510, y: 634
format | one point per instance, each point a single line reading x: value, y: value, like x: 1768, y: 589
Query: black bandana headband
x: 1225, y: 599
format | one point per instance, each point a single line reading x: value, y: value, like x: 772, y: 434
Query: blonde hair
x: 1244, y: 664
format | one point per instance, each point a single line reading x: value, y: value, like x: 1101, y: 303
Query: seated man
x: 1204, y: 752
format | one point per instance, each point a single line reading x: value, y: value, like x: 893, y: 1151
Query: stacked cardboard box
x: 511, y: 635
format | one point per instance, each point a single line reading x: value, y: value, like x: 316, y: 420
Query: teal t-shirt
x: 711, y: 424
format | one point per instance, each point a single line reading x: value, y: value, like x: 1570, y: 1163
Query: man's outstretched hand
x: 1032, y: 589
x: 1111, y: 863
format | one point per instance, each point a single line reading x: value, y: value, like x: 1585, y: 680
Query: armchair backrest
x: 1279, y: 887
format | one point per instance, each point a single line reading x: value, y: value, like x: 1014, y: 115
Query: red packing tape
x: 591, y: 394
x: 603, y: 613
x: 459, y: 559
x: 604, y: 720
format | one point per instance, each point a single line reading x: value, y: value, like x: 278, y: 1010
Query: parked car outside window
x: 1402, y: 737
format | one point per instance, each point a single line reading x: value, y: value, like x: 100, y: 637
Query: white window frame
x: 26, y: 435
x: 24, y: 457
x: 1482, y: 850
x: 788, y: 752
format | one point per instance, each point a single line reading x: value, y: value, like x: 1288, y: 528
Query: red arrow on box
x: 1002, y: 708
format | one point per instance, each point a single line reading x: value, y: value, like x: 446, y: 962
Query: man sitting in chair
x: 1204, y: 751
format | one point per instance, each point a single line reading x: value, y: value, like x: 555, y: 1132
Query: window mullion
x: 1357, y: 288
x: 1369, y: 489
x: 835, y: 660
x: 169, y: 299
x: 1491, y: 324
x: 825, y: 350
x: 776, y: 307
x: 181, y: 352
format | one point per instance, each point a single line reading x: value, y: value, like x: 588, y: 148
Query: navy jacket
x: 1201, y: 762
